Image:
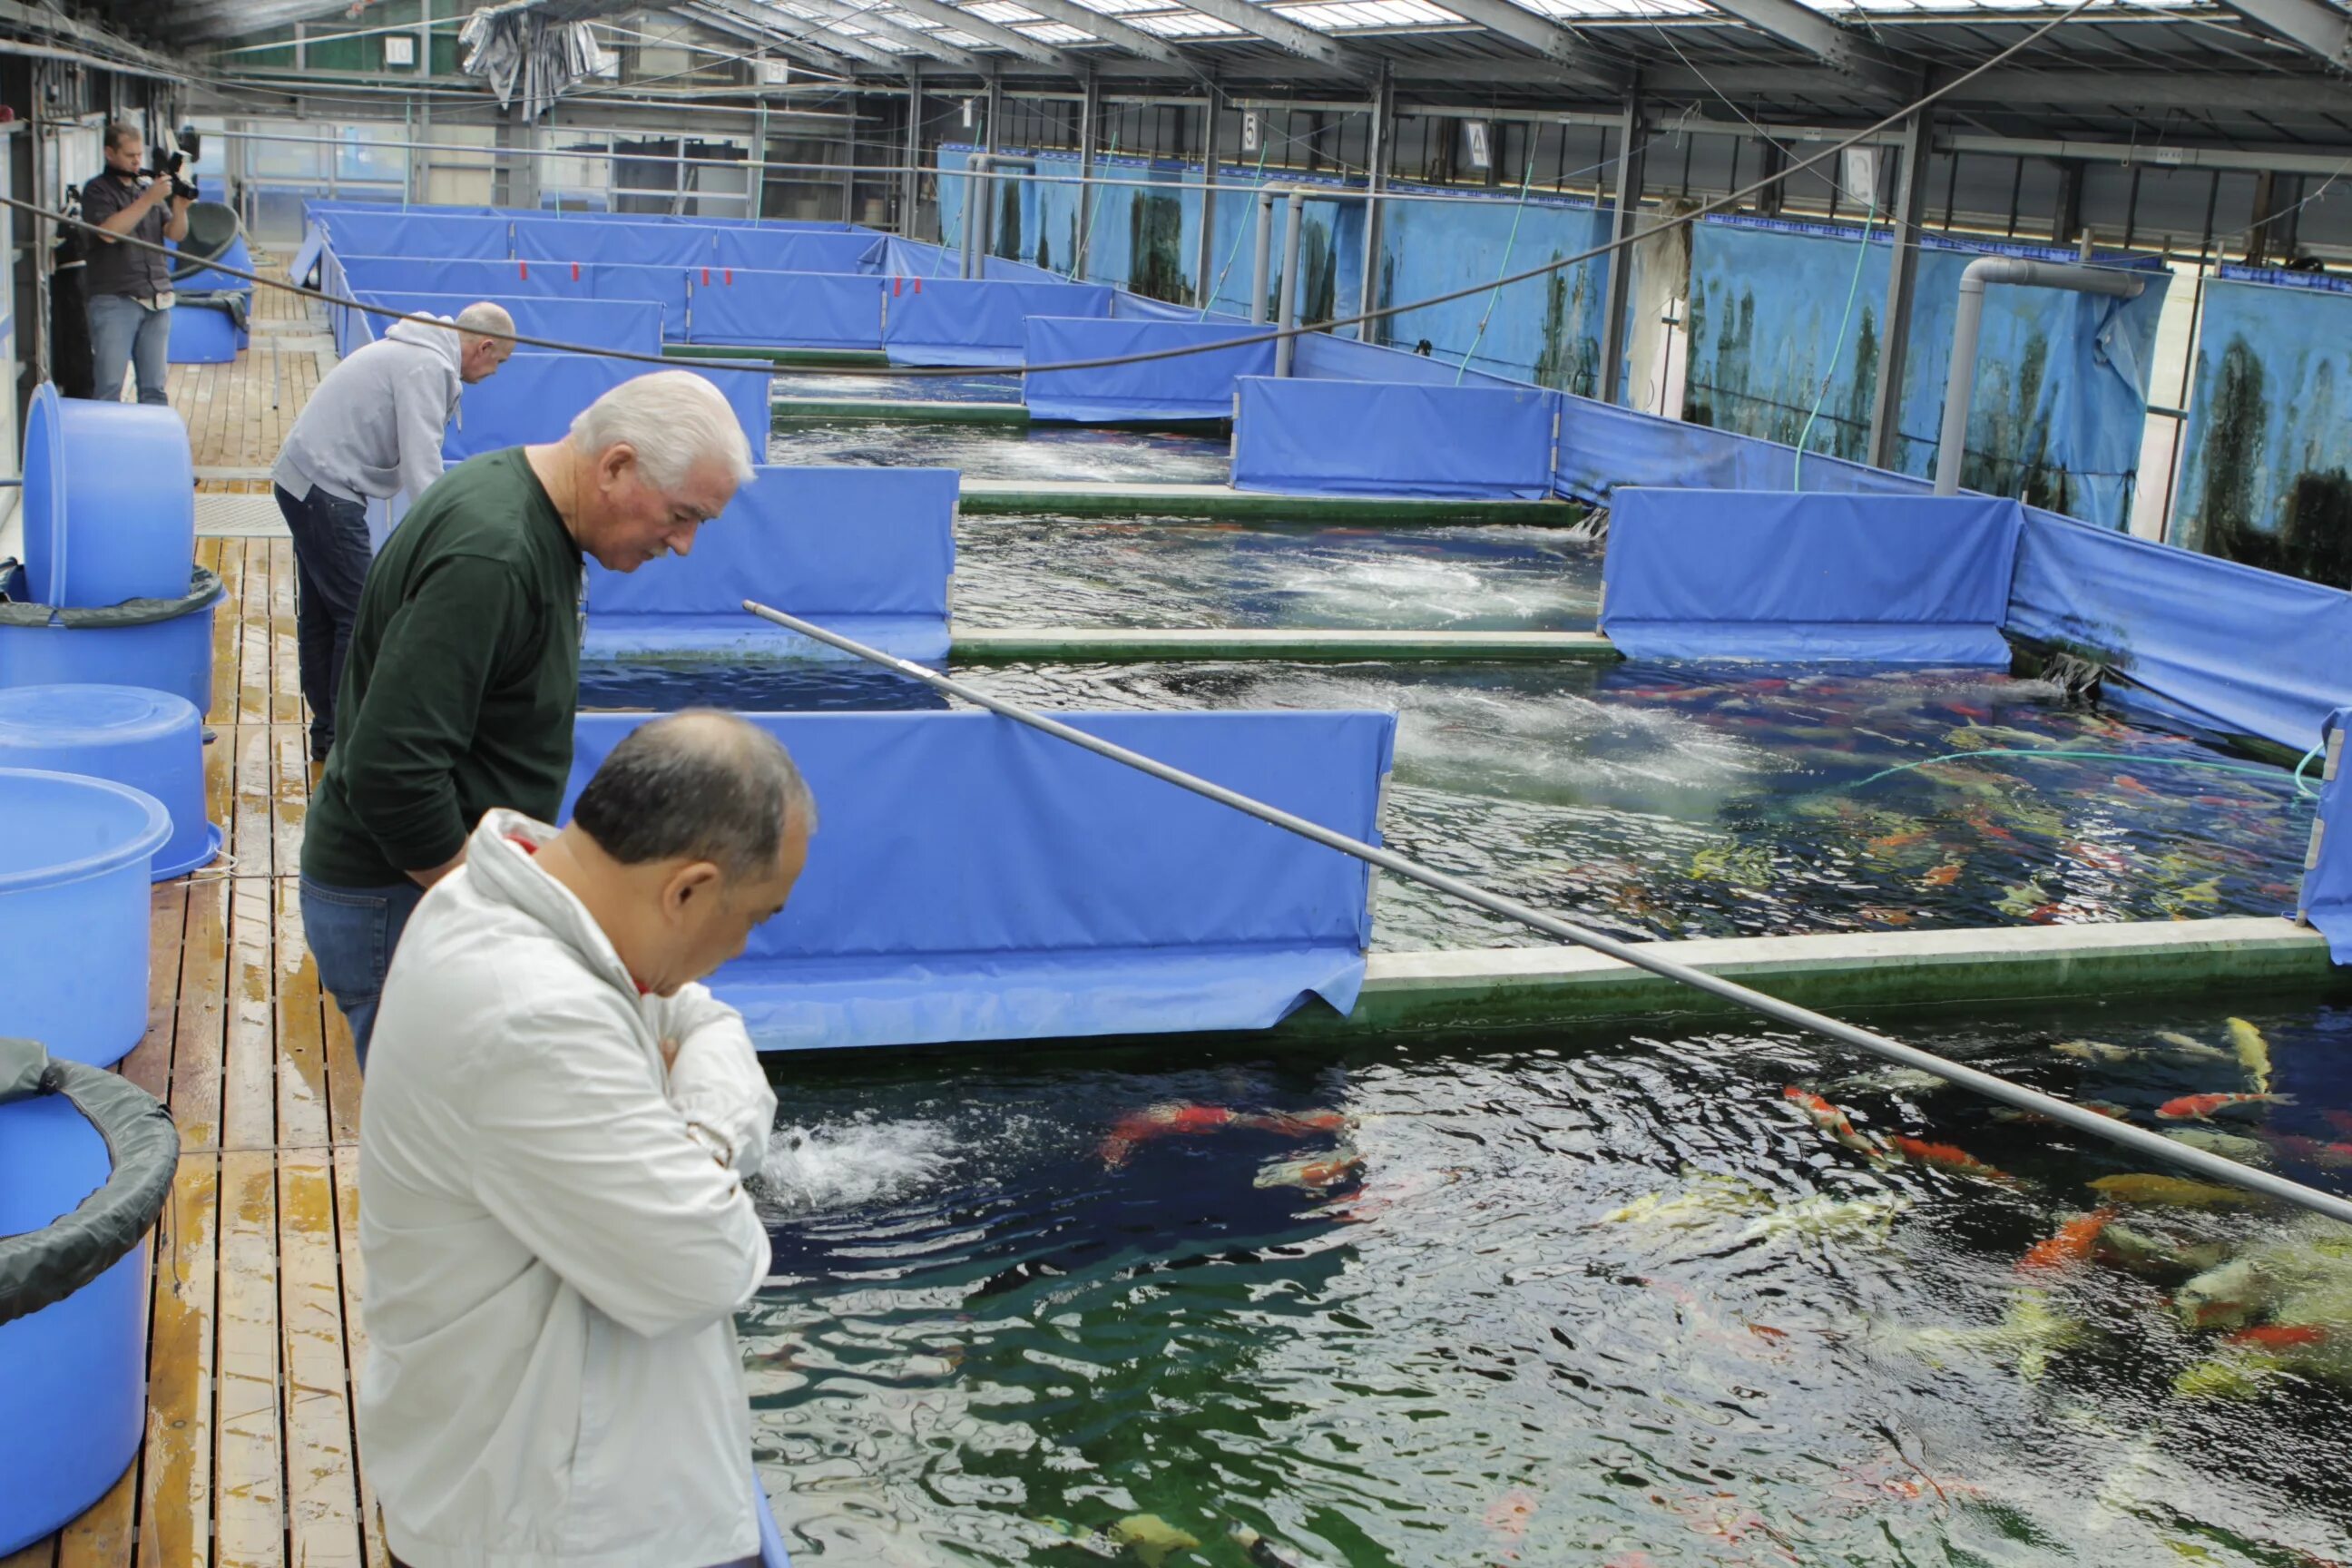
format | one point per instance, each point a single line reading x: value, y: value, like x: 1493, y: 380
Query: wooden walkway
x: 254, y: 1342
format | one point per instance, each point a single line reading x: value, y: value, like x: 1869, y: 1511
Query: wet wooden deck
x: 254, y: 1342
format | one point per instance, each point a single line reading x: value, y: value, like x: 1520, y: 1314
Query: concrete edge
x: 1114, y: 644
x: 1485, y: 990
x: 1217, y: 503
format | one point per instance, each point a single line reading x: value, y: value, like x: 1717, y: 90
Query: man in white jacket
x: 373, y: 430
x: 558, y: 1125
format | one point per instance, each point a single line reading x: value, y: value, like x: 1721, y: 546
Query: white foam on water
x: 852, y: 1164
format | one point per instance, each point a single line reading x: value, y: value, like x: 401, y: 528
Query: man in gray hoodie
x: 373, y: 430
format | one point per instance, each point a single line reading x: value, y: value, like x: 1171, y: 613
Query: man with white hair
x: 553, y: 1157
x: 373, y: 430
x: 464, y: 673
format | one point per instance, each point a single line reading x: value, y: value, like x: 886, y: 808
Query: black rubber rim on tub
x: 42, y: 1267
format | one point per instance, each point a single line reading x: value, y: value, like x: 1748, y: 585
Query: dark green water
x: 986, y: 1343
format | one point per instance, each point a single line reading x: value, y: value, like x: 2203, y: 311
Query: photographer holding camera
x: 130, y: 287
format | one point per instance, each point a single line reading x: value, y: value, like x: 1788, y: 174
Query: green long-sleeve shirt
x: 462, y: 680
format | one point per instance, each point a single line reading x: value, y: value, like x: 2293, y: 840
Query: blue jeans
x: 331, y: 563
x: 122, y: 332
x: 353, y: 933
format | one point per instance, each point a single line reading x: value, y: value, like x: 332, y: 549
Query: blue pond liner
x: 1037, y: 892
x: 74, y: 866
x: 150, y: 741
x: 73, y: 1379
x: 166, y: 645
x: 110, y: 501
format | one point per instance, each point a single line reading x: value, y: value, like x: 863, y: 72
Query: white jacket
x: 553, y: 1251
x: 375, y: 426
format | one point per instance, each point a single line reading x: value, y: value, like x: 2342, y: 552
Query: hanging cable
x: 1209, y: 215
x: 1837, y: 350
x: 1508, y: 244
x: 1639, y: 955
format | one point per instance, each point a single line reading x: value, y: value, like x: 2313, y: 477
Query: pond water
x: 1600, y: 1299
x: 971, y: 386
x: 1658, y: 802
x: 1040, y: 452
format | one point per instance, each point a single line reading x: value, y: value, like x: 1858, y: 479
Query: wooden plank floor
x: 238, y: 413
x: 249, y: 1456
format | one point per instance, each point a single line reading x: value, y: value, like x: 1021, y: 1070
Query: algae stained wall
x: 1782, y: 315
x: 2267, y: 480
x: 1546, y: 329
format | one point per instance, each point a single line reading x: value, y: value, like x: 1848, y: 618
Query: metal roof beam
x: 900, y: 32
x: 1840, y: 48
x: 941, y: 14
x: 1283, y: 34
x: 2311, y: 25
x: 1545, y: 36
x: 1120, y: 35
x: 783, y: 33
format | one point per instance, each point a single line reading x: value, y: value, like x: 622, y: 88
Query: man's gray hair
x: 486, y: 317
x: 697, y: 786
x: 672, y: 419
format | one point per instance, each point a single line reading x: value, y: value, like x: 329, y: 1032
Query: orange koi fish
x: 1945, y: 1157
x: 2125, y: 782
x: 1943, y: 876
x: 1890, y: 842
x: 1828, y: 1118
x: 2279, y: 1336
x: 2070, y: 1245
x: 2194, y: 1107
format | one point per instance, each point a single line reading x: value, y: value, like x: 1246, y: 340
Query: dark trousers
x: 331, y: 563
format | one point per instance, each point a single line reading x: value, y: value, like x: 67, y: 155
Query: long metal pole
x: 2136, y: 1139
x: 1261, y: 253
x: 1293, y: 222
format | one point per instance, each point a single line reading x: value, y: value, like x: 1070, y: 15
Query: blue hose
x: 2078, y: 756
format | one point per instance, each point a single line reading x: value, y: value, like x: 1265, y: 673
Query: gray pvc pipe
x: 1285, y: 346
x: 1968, y: 327
x: 1261, y: 254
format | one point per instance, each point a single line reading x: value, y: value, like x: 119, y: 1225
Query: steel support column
x: 1902, y: 277
x: 1631, y: 131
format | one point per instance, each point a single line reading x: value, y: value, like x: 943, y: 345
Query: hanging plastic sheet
x: 951, y: 322
x: 1602, y: 447
x: 1196, y: 386
x: 1781, y: 578
x: 2237, y: 650
x: 1322, y: 356
x: 1096, y: 901
x: 594, y: 239
x: 2327, y: 900
x: 2267, y: 478
x: 534, y: 397
x: 1131, y: 307
x: 634, y: 326
x: 434, y: 236
x: 784, y: 309
x: 1546, y: 329
x: 766, y: 249
x: 1355, y: 437
x: 862, y: 551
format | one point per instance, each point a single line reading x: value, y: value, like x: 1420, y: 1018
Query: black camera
x: 168, y: 168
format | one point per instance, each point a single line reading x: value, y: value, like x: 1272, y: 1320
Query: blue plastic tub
x: 73, y: 1375
x: 173, y: 655
x: 203, y: 334
x: 150, y: 741
x: 74, y: 911
x: 110, y: 501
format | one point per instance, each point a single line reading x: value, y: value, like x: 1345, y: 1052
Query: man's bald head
x: 697, y: 786
x: 484, y: 338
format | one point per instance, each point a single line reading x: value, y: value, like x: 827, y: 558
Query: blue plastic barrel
x: 74, y: 911
x: 110, y: 501
x: 174, y: 655
x: 151, y: 741
x: 73, y: 1375
x: 203, y: 334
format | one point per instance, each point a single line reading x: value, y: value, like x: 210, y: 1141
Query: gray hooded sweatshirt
x: 375, y: 426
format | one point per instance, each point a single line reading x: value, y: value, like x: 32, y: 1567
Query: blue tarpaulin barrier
x: 2327, y: 900
x: 482, y: 280
x: 2237, y: 650
x: 438, y: 235
x: 1322, y: 356
x: 534, y: 397
x: 634, y: 326
x: 1356, y: 437
x: 952, y: 321
x: 1769, y: 576
x: 1196, y: 386
x: 972, y: 879
x: 1547, y: 329
x: 665, y: 286
x: 2267, y: 480
x: 1603, y: 447
x: 784, y: 309
x: 862, y: 551
x: 594, y: 239
x: 789, y: 250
